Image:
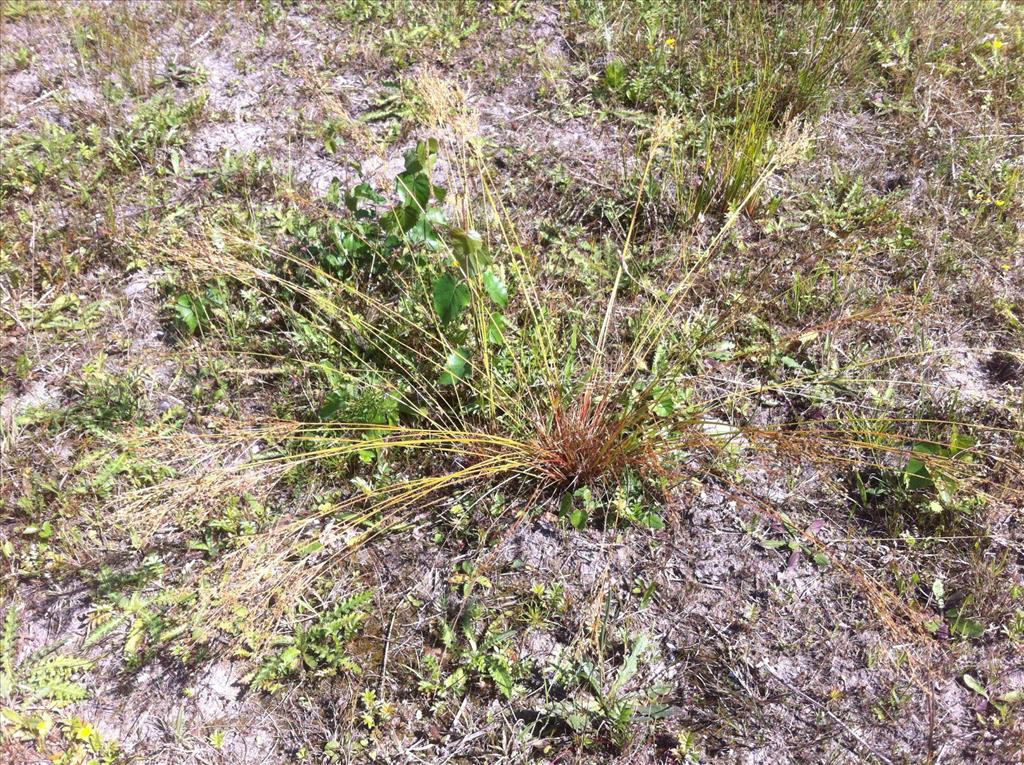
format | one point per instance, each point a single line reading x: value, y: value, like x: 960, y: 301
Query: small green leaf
x: 615, y: 74
x: 788, y: 361
x: 469, y: 250
x: 653, y: 521
x: 333, y: 403
x: 362, y: 191
x: 456, y: 367
x: 187, y: 315
x: 968, y: 628
x: 496, y: 329
x: 290, y: 657
x: 413, y: 189
x: 422, y: 232
x: 401, y: 219
x: 308, y: 549
x: 914, y: 467
x: 495, y: 287
x: 503, y: 679
x: 975, y: 685
x: 917, y: 476
x: 664, y: 401
x: 961, y: 443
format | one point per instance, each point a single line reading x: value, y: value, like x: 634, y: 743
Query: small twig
x: 35, y: 101
x: 199, y: 40
x: 827, y: 711
x: 387, y: 651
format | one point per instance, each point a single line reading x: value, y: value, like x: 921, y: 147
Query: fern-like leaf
x: 10, y: 631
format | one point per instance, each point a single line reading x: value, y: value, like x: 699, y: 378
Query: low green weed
x: 318, y: 650
x: 194, y: 313
x: 104, y: 399
x: 600, y: 701
x: 144, y: 623
x: 736, y: 76
x: 924, y: 490
x: 32, y: 689
x: 474, y: 649
x: 407, y: 30
x: 117, y: 45
x: 158, y: 123
x: 846, y: 206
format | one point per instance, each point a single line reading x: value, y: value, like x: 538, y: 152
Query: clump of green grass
x: 736, y: 75
x: 118, y: 46
x: 789, y: 54
x: 430, y: 366
x: 12, y: 10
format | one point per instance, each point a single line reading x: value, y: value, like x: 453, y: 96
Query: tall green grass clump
x: 434, y: 367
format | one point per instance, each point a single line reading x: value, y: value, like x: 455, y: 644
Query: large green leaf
x: 187, y: 313
x: 423, y: 233
x: 400, y: 219
x: 450, y: 297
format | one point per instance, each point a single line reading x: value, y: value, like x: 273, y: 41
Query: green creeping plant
x: 319, y: 649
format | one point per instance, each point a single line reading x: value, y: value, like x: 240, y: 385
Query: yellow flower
x: 997, y: 44
x: 83, y: 731
x: 670, y: 42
